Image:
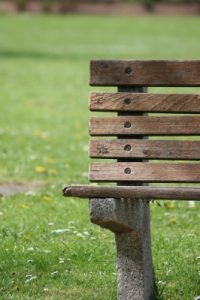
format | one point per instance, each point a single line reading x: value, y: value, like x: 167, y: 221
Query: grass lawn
x: 43, y: 138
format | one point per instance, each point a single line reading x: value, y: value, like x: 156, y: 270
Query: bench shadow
x: 157, y: 293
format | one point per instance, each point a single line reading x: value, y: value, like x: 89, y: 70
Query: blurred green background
x: 49, y: 249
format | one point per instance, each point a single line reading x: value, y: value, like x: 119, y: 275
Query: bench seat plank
x: 132, y: 192
x: 146, y: 149
x: 145, y: 172
x: 145, y: 125
x: 144, y: 73
x: 172, y: 103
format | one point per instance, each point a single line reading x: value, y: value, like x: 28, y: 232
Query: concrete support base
x: 130, y: 222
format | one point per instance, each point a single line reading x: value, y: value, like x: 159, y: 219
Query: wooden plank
x: 145, y: 149
x: 144, y: 73
x: 145, y: 172
x: 132, y: 192
x: 172, y: 103
x: 145, y: 125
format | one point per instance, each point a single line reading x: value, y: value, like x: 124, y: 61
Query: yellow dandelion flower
x: 40, y: 169
x: 170, y: 205
x: 46, y: 198
x: 173, y: 221
x: 22, y: 205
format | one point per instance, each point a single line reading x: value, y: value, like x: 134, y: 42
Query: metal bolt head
x: 127, y: 147
x: 127, y: 124
x: 127, y: 171
x: 128, y: 70
x: 127, y: 101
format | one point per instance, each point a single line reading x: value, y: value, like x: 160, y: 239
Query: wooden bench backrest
x: 132, y: 123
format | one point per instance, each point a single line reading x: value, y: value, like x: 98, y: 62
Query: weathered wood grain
x: 172, y: 103
x: 132, y: 192
x: 145, y: 172
x: 144, y: 73
x: 145, y: 125
x: 145, y: 149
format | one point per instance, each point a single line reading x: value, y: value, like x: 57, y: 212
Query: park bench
x: 124, y: 207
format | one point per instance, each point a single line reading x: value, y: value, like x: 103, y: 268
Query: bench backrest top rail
x: 145, y: 73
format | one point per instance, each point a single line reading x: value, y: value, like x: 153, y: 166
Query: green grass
x: 43, y: 138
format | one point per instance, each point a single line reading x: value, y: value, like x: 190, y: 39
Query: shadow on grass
x: 157, y: 292
x: 38, y: 55
x: 21, y: 54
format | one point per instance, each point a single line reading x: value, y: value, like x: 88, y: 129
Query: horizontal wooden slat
x: 146, y: 149
x: 145, y: 172
x: 144, y: 125
x: 143, y: 102
x: 144, y: 73
x: 132, y: 192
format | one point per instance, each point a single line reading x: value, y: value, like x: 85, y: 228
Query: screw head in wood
x: 127, y: 170
x: 128, y: 70
x: 127, y: 124
x: 127, y: 101
x: 127, y: 147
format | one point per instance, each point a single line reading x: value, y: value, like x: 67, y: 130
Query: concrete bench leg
x: 134, y: 262
x: 130, y: 222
